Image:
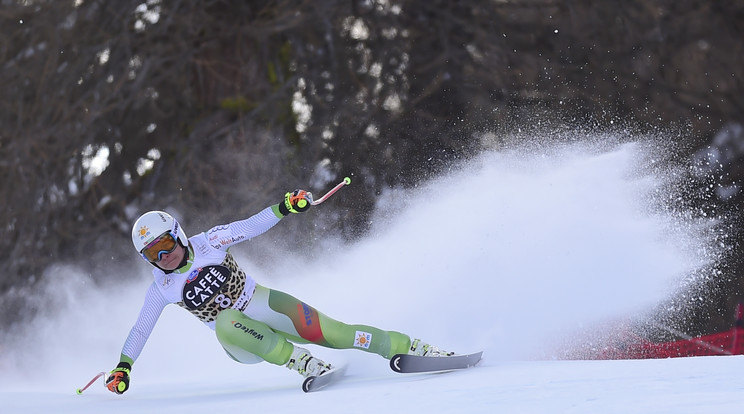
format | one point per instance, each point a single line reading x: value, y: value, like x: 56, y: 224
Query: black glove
x: 118, y: 381
x: 296, y: 202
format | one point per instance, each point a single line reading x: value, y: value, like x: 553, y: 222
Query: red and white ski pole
x: 345, y: 181
x: 100, y: 374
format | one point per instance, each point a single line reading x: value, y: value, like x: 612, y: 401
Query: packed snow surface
x: 507, y: 254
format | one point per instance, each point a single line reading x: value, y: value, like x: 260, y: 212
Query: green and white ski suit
x: 252, y: 322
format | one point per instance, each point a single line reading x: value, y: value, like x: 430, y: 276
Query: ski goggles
x: 154, y: 251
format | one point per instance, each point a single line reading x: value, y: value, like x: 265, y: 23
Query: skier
x: 253, y: 323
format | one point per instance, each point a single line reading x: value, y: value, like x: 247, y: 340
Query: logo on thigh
x: 247, y: 330
x: 308, y: 325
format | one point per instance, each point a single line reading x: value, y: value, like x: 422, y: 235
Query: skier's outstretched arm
x: 225, y: 236
x: 118, y: 380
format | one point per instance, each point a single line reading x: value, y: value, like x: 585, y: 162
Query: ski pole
x: 345, y: 181
x: 100, y: 374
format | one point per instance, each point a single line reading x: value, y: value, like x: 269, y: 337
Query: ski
x: 317, y: 382
x: 404, y: 363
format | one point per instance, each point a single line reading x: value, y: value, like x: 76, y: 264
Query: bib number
x: 223, y: 301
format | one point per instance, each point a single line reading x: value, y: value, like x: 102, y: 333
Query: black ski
x: 315, y: 383
x: 411, y: 363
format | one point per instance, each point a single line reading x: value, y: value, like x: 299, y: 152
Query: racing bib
x: 211, y: 289
x: 203, y: 287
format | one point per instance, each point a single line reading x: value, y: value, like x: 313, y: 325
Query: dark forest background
x: 215, y: 108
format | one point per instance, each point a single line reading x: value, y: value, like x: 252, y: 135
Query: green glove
x: 118, y: 381
x: 296, y: 202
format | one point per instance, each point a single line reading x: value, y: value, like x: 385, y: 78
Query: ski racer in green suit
x: 253, y: 323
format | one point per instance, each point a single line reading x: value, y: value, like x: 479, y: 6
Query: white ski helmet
x: 151, y: 225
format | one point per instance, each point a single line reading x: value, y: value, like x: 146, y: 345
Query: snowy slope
x: 506, y: 255
x: 684, y: 385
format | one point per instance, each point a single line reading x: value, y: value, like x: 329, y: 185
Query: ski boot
x: 420, y: 348
x: 306, y: 364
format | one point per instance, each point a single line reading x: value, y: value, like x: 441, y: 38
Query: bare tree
x: 213, y: 107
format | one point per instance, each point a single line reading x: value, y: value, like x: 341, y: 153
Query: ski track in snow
x: 505, y: 255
